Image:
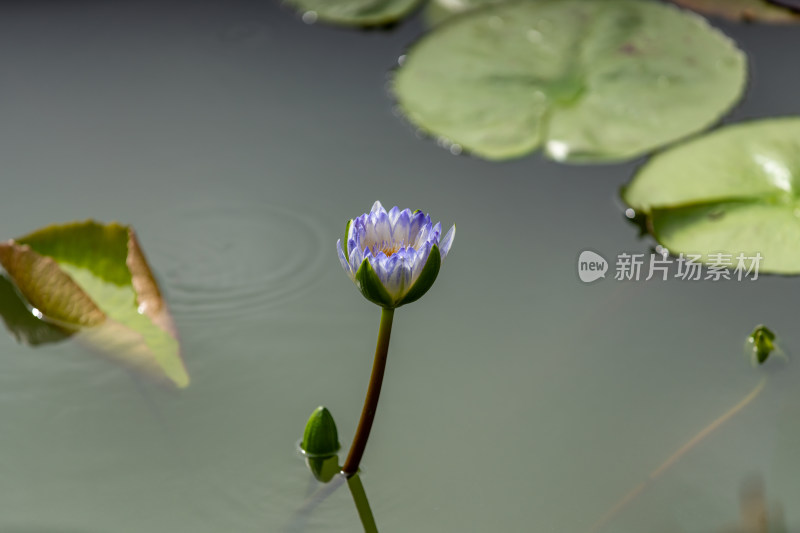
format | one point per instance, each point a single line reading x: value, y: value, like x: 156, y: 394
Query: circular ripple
x: 221, y: 262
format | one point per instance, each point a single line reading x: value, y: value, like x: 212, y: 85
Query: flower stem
x: 362, y: 504
x: 373, y: 393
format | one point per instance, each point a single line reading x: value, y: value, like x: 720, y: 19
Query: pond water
x: 238, y: 140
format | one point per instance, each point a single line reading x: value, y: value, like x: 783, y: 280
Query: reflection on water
x: 327, y: 472
x: 756, y: 514
x: 111, y: 339
x: 631, y: 496
x: 362, y: 504
x: 21, y: 322
x: 323, y: 468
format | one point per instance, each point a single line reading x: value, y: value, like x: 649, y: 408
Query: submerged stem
x: 362, y: 504
x: 373, y: 393
x: 672, y: 459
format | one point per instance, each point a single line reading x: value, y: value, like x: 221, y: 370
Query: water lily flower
x: 393, y: 257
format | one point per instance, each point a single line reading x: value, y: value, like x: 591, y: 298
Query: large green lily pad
x: 736, y: 190
x: 355, y: 12
x: 437, y: 11
x: 744, y: 10
x: 604, y: 80
x: 93, y: 281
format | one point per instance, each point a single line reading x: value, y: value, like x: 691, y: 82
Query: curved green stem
x: 373, y: 393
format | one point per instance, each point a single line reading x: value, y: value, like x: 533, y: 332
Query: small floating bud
x: 762, y: 341
x: 320, y: 438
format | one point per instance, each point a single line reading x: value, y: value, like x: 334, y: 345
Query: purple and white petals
x: 343, y: 260
x: 444, y: 246
x: 396, y: 245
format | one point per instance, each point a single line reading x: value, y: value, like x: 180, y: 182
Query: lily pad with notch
x: 587, y: 81
x: 733, y: 191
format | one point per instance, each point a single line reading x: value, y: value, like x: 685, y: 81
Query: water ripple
x: 236, y: 261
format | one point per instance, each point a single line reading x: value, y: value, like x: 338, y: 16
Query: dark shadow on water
x: 638, y: 221
x: 328, y: 476
x: 21, y: 323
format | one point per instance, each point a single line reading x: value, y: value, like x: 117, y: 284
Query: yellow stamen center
x: 387, y: 248
x: 390, y: 249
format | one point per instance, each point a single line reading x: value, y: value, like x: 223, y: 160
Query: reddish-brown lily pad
x: 92, y: 281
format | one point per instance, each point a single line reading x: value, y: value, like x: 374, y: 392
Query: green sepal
x: 425, y: 279
x: 346, y: 233
x: 320, y: 438
x: 371, y: 286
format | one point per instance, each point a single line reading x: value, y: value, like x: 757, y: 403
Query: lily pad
x: 355, y: 12
x: 736, y: 190
x: 588, y: 81
x: 93, y: 281
x: 743, y: 10
x: 437, y: 11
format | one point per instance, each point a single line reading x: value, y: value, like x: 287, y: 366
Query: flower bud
x: 320, y: 438
x: 763, y: 343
